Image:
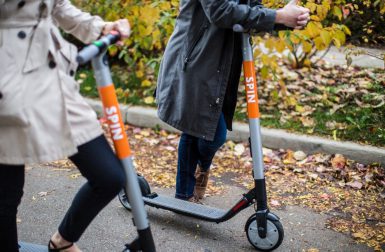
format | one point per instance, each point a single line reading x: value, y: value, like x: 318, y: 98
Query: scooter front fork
x: 262, y: 211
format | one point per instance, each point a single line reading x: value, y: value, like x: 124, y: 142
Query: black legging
x: 11, y: 191
x: 96, y: 161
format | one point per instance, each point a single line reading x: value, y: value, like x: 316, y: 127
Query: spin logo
x: 250, y: 90
x: 114, y: 123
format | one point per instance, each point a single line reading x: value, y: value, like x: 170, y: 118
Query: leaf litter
x: 352, y: 194
x: 332, y: 101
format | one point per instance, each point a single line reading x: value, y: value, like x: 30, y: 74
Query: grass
x: 363, y: 125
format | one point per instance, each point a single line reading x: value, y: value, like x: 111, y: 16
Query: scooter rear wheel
x: 144, y: 188
x: 274, y: 236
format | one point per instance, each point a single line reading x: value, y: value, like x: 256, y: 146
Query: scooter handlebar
x: 94, y: 49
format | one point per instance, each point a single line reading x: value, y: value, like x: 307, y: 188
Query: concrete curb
x: 272, y: 138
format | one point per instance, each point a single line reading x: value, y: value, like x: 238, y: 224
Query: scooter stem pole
x: 122, y: 148
x: 252, y: 107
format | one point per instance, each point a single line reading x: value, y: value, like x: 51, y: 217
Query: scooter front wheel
x: 274, y: 236
x: 144, y: 188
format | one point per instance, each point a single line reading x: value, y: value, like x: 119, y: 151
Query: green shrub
x: 366, y: 20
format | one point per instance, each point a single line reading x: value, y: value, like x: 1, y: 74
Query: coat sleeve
x: 80, y: 24
x: 277, y: 27
x: 225, y: 13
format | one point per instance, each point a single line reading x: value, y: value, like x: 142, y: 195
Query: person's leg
x: 187, y: 162
x: 103, y: 170
x: 11, y: 191
x: 207, y: 150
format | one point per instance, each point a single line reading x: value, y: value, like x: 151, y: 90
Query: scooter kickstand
x: 133, y: 246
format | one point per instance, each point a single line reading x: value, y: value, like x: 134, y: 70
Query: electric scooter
x: 263, y: 229
x: 96, y: 52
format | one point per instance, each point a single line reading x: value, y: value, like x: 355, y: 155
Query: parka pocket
x: 12, y: 107
x: 193, y: 45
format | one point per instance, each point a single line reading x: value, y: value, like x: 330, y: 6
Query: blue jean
x: 193, y: 151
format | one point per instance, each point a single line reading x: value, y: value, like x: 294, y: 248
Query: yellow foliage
x: 146, y: 83
x: 318, y: 35
x: 152, y: 22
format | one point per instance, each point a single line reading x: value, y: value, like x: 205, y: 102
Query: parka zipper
x: 194, y: 44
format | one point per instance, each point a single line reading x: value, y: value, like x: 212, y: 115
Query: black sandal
x: 56, y: 249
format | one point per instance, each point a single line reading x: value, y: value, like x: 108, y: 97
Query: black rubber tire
x: 277, y: 230
x: 144, y: 188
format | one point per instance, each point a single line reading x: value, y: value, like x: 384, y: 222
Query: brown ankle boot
x: 202, y: 178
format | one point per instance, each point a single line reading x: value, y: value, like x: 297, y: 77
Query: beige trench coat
x: 42, y: 115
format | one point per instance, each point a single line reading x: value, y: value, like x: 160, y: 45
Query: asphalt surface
x: 49, y: 191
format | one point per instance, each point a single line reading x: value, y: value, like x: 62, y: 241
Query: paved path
x: 336, y: 56
x: 40, y: 215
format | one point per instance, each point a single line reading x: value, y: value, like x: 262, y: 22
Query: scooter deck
x: 186, y: 208
x: 29, y: 247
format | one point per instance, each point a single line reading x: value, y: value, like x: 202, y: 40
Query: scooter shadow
x: 229, y: 232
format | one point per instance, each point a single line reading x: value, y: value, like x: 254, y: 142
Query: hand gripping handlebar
x: 98, y: 46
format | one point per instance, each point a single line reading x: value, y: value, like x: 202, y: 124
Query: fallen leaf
x: 359, y: 235
x: 307, y: 121
x: 313, y: 175
x: 267, y: 151
x: 298, y: 170
x: 299, y: 155
x: 267, y: 160
x: 239, y: 149
x: 75, y: 175
x: 355, y: 184
x: 172, y: 136
x: 338, y: 162
x: 42, y: 194
x: 275, y: 203
x: 320, y: 169
x: 61, y: 169
x: 288, y: 158
x: 230, y: 144
x: 145, y: 133
x: 170, y: 148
